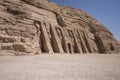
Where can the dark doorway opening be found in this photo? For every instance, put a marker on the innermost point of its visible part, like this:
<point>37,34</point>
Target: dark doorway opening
<point>69,48</point>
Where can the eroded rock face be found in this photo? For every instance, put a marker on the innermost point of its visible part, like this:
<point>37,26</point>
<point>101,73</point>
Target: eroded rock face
<point>38,26</point>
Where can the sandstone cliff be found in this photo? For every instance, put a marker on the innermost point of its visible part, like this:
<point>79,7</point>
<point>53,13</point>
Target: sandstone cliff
<point>38,26</point>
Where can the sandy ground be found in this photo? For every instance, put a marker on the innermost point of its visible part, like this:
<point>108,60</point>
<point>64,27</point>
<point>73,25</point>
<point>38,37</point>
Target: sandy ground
<point>60,67</point>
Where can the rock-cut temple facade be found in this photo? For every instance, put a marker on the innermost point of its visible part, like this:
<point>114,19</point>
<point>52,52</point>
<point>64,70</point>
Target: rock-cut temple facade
<point>30,27</point>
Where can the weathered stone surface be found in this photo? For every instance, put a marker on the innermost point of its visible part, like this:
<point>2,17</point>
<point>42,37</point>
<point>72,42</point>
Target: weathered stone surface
<point>39,26</point>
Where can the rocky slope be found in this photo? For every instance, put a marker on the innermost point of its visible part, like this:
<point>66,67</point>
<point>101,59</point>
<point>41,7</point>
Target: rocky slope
<point>38,26</point>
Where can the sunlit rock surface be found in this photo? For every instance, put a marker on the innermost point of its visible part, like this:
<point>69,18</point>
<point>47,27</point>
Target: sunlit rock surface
<point>30,27</point>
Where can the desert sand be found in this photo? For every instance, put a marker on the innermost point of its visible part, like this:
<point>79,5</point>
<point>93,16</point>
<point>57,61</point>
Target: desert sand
<point>60,67</point>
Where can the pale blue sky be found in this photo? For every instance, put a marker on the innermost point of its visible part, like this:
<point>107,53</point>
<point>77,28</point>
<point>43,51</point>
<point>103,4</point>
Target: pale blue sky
<point>106,12</point>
